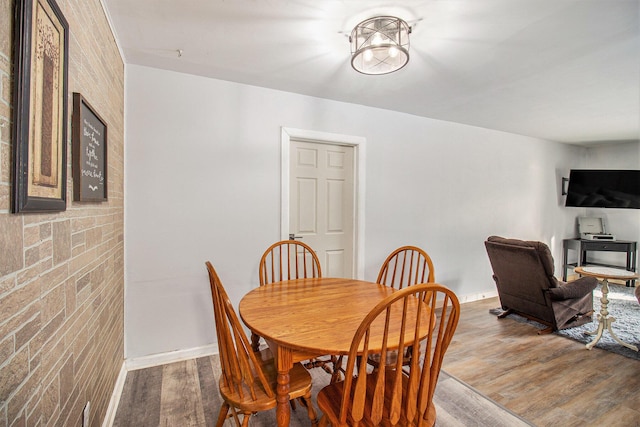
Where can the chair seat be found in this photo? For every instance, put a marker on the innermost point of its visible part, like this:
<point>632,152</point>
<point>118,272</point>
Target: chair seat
<point>300,383</point>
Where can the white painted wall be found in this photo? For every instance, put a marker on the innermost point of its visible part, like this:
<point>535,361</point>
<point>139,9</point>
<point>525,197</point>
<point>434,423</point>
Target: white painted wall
<point>622,223</point>
<point>203,183</point>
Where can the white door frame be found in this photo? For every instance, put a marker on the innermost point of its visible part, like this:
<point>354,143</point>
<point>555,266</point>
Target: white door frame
<point>359,145</point>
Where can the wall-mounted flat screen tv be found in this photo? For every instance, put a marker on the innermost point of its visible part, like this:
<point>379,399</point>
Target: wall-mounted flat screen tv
<point>601,188</point>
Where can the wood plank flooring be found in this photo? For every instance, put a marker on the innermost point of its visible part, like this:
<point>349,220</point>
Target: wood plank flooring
<point>185,394</point>
<point>547,379</point>
<point>172,395</point>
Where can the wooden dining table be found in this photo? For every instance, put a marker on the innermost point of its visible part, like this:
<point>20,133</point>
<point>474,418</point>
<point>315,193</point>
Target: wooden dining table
<point>306,318</point>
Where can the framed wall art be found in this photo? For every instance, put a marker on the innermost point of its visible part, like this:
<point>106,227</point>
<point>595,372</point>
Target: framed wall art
<point>40,107</point>
<point>89,140</point>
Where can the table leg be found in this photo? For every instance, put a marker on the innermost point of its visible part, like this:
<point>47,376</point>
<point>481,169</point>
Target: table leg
<point>605,321</point>
<point>284,365</point>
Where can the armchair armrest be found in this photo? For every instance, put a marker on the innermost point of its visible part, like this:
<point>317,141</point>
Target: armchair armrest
<point>576,289</point>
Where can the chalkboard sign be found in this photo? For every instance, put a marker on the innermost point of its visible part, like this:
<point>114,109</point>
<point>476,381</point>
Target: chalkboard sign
<point>89,140</point>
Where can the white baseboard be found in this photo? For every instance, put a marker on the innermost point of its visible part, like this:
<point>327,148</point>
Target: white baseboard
<point>170,357</point>
<point>478,297</point>
<point>115,397</point>
<point>471,298</point>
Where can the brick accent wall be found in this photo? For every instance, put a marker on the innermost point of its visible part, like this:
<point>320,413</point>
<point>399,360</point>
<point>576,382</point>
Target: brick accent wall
<point>62,275</point>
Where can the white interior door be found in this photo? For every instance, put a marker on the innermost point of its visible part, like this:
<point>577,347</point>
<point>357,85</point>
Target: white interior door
<point>321,203</point>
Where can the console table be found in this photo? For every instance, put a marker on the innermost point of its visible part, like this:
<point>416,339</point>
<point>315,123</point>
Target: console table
<point>582,246</point>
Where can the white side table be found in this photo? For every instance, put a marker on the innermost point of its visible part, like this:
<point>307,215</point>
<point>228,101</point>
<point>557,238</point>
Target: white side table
<point>604,320</point>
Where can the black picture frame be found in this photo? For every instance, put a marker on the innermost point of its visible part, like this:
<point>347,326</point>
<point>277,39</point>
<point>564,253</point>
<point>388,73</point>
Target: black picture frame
<point>89,142</point>
<point>39,133</point>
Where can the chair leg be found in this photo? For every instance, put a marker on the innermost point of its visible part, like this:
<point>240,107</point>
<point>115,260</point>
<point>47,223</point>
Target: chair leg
<point>323,421</point>
<point>313,416</point>
<point>223,414</point>
<point>255,342</point>
<point>337,369</point>
<point>237,420</point>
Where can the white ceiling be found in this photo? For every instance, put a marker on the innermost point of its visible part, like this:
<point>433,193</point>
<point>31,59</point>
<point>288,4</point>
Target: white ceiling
<point>562,70</point>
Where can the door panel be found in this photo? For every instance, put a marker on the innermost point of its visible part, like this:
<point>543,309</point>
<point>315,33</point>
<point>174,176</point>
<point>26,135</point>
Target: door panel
<point>307,207</point>
<point>335,208</point>
<point>334,264</point>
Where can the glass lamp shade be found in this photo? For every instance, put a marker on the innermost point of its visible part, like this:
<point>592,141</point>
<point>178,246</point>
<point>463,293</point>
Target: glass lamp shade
<point>380,45</point>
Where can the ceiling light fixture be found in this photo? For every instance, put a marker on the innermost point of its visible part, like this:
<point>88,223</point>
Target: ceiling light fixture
<point>380,45</point>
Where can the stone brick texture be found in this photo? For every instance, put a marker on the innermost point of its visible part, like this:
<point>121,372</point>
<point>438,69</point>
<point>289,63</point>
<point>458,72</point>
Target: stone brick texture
<point>62,274</point>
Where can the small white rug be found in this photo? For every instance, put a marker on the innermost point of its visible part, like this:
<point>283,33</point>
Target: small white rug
<point>623,306</point>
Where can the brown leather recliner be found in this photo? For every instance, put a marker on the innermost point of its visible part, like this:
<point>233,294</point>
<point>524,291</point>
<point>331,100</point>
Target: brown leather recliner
<point>523,272</point>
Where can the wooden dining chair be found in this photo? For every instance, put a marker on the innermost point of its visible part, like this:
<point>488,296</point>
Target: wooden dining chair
<point>405,266</point>
<point>248,379</point>
<point>395,396</point>
<point>290,260</point>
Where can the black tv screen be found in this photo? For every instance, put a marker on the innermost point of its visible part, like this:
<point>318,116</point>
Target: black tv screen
<point>600,188</point>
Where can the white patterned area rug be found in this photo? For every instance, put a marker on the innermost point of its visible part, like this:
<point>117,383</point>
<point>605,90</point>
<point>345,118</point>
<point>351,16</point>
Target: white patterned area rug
<point>623,306</point>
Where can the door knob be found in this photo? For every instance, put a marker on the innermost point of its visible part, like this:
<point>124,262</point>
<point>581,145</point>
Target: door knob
<point>292,236</point>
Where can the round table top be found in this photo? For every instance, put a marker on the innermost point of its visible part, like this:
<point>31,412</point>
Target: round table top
<point>606,272</point>
<point>317,315</point>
